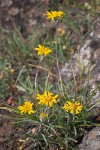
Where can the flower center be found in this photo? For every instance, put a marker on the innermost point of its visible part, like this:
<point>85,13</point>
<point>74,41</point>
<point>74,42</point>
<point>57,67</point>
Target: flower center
<point>74,106</point>
<point>48,98</point>
<point>27,107</point>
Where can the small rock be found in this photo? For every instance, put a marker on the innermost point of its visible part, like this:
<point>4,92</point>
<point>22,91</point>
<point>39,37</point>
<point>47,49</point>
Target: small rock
<point>91,141</point>
<point>14,11</point>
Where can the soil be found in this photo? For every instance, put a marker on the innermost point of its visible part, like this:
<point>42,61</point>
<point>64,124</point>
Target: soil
<point>9,134</point>
<point>26,15</point>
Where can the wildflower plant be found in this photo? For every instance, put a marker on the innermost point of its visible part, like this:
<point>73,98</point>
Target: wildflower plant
<point>58,117</point>
<point>73,107</point>
<point>42,50</point>
<point>43,115</point>
<point>27,108</point>
<point>54,14</point>
<point>47,98</point>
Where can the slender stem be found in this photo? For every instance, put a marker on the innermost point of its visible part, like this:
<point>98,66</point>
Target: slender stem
<point>75,83</point>
<point>46,83</point>
<point>45,69</point>
<point>35,82</point>
<point>19,74</point>
<point>60,79</point>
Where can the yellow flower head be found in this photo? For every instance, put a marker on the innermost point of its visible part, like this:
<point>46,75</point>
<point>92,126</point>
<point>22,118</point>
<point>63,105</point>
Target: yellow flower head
<point>73,107</point>
<point>27,108</point>
<point>43,115</point>
<point>47,98</point>
<point>54,14</point>
<point>60,31</point>
<point>12,71</point>
<point>43,50</point>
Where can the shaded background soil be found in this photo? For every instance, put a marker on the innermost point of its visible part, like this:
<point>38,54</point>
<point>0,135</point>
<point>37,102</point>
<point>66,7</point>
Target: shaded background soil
<point>26,15</point>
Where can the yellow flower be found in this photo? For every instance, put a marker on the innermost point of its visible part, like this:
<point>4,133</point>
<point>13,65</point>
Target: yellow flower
<point>60,31</point>
<point>43,50</point>
<point>47,98</point>
<point>27,108</point>
<point>73,107</point>
<point>54,14</point>
<point>43,115</point>
<point>12,71</point>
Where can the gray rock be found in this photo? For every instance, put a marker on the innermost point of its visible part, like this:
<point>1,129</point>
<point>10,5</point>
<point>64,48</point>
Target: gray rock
<point>87,60</point>
<point>69,69</point>
<point>14,11</point>
<point>91,141</point>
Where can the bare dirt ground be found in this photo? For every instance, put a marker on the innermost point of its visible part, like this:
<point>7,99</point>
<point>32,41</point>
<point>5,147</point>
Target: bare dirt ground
<point>25,15</point>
